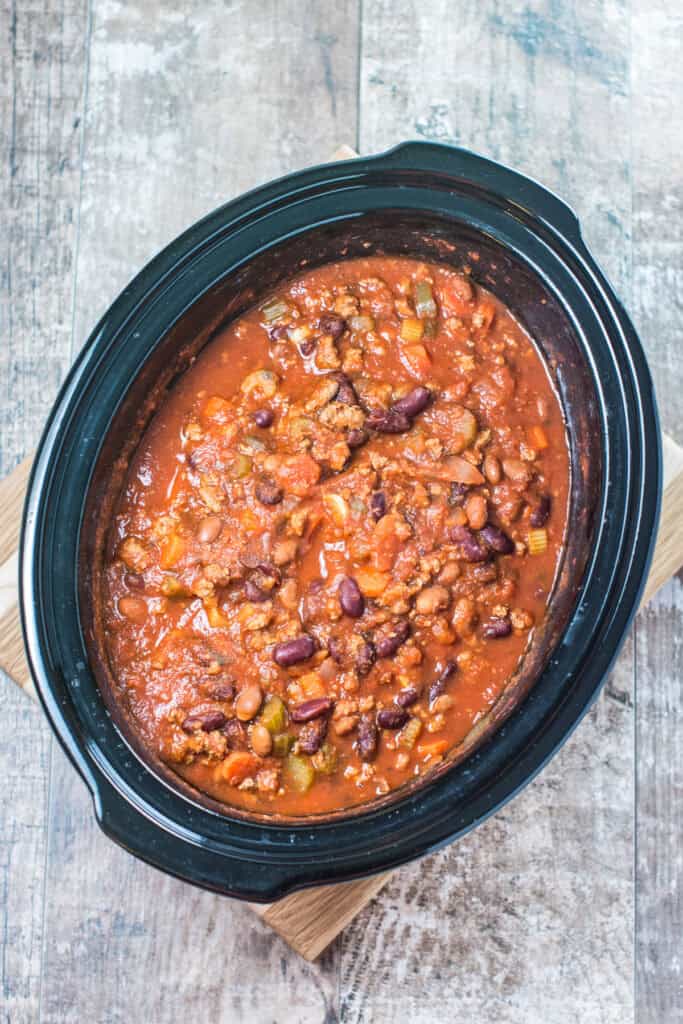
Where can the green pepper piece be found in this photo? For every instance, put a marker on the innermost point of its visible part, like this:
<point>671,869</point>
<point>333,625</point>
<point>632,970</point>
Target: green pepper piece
<point>274,714</point>
<point>282,744</point>
<point>410,732</point>
<point>299,772</point>
<point>425,306</point>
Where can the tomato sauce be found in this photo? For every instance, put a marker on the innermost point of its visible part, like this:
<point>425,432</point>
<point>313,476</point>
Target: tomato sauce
<point>336,538</point>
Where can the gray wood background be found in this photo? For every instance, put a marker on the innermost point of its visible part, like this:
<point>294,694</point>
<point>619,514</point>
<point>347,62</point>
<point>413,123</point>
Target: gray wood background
<point>122,122</point>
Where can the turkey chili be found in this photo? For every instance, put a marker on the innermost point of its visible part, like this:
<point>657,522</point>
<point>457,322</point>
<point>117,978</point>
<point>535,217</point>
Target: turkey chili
<point>336,538</point>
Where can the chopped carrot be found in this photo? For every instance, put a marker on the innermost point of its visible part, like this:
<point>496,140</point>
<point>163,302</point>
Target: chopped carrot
<point>412,329</point>
<point>238,766</point>
<point>171,550</point>
<point>217,408</point>
<point>371,582</point>
<point>537,438</point>
<point>387,540</point>
<point>433,749</point>
<point>298,474</point>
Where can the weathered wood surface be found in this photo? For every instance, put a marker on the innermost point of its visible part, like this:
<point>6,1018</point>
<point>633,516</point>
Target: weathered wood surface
<point>130,120</point>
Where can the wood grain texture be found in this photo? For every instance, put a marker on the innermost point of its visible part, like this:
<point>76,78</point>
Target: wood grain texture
<point>657,83</point>
<point>530,917</point>
<point>41,100</point>
<point>188,105</point>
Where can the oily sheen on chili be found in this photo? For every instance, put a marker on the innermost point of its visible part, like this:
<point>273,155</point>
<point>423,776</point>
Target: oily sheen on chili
<point>336,538</point>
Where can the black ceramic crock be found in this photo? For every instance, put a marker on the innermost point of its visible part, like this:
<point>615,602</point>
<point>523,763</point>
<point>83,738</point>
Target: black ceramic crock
<point>420,199</point>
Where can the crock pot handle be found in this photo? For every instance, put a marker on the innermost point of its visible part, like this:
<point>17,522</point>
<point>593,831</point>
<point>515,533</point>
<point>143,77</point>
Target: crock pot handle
<point>188,860</point>
<point>528,195</point>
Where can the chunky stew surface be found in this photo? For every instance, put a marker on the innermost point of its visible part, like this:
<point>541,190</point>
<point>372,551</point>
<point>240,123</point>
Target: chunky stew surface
<point>336,538</point>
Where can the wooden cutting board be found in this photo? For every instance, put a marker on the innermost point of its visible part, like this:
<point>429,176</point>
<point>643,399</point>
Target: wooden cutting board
<point>307,920</point>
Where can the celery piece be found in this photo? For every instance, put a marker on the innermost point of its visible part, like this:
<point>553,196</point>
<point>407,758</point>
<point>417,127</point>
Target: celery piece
<point>299,772</point>
<point>274,714</point>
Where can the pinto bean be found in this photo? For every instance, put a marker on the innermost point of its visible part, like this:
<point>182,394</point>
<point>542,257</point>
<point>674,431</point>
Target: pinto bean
<point>497,628</point>
<point>476,511</point>
<point>268,492</point>
<point>464,615</point>
<point>432,599</point>
<point>248,703</point>
<point>208,529</point>
<point>492,470</point>
<point>389,642</point>
<point>440,683</point>
<point>473,549</point>
<point>541,513</point>
<point>207,721</point>
<point>388,421</point>
<point>310,709</point>
<point>291,652</point>
<point>413,403</point>
<point>392,718</point>
<point>311,736</point>
<point>261,740</point>
<point>367,738</point>
<point>496,539</point>
<point>350,598</point>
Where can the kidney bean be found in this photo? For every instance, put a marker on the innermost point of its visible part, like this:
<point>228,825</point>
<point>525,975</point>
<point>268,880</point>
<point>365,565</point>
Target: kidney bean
<point>248,702</point>
<point>357,437</point>
<point>457,494</point>
<point>236,734</point>
<point>388,421</point>
<point>335,649</point>
<point>496,539</point>
<point>312,735</point>
<point>496,629</point>
<point>389,643</point>
<point>219,691</point>
<point>291,652</point>
<point>207,721</point>
<point>406,697</point>
<point>365,658</point>
<point>413,403</point>
<point>392,718</point>
<point>334,325</point>
<point>378,505</point>
<point>310,709</point>
<point>261,740</point>
<point>367,738</point>
<point>347,392</point>
<point>307,347</point>
<point>279,332</point>
<point>541,513</point>
<point>264,417</point>
<point>350,598</point>
<point>473,549</point>
<point>441,681</point>
<point>134,581</point>
<point>253,592</point>
<point>208,529</point>
<point>268,492</point>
